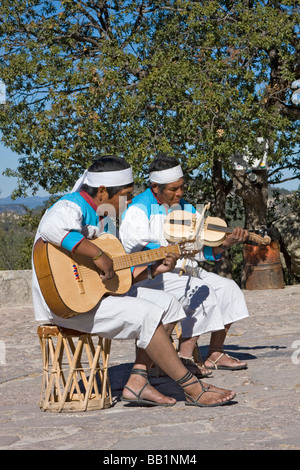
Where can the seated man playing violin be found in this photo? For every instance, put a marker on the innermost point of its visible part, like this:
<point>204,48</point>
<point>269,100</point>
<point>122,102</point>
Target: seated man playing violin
<point>211,302</point>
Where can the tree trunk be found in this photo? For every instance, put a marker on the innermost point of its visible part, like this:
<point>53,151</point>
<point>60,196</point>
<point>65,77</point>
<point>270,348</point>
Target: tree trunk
<point>254,195</point>
<point>224,266</point>
<point>255,198</point>
<point>219,204</point>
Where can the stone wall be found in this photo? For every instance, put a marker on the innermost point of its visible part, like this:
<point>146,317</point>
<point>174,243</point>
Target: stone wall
<point>15,287</point>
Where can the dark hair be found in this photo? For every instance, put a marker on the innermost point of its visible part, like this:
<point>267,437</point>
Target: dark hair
<point>163,162</point>
<point>107,163</point>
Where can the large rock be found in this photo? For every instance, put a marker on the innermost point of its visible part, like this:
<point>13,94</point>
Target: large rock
<point>289,228</point>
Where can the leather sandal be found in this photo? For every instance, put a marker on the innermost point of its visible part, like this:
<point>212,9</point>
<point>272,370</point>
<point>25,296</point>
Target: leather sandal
<point>139,400</point>
<point>216,366</point>
<point>194,401</point>
<point>194,368</point>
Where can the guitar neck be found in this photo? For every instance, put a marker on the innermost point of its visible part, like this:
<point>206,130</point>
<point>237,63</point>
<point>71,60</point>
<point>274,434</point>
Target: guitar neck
<point>219,228</point>
<point>143,257</point>
<point>252,236</point>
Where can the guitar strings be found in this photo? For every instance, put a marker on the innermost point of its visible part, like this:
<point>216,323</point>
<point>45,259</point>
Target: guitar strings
<point>132,259</point>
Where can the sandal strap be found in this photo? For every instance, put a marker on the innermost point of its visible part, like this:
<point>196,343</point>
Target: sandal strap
<point>183,383</point>
<point>216,361</point>
<point>141,372</point>
<point>188,376</point>
<point>204,390</point>
<point>232,357</point>
<point>186,358</point>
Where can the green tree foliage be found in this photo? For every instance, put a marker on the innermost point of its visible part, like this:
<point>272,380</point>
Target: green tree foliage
<point>197,79</point>
<point>16,240</point>
<point>17,233</point>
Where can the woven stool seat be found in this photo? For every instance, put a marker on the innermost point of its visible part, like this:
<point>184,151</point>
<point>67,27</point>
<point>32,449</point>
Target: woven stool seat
<point>75,370</point>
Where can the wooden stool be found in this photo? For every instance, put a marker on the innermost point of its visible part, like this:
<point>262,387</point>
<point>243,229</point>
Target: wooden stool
<point>72,377</point>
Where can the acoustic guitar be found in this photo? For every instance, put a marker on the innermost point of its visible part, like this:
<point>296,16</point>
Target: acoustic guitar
<point>70,283</point>
<point>182,225</point>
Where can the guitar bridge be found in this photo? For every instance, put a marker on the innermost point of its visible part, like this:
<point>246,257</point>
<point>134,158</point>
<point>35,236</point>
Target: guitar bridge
<point>78,279</point>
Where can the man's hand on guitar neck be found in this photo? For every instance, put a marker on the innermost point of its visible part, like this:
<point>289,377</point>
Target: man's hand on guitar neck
<point>166,265</point>
<point>141,273</point>
<point>103,262</point>
<point>238,235</point>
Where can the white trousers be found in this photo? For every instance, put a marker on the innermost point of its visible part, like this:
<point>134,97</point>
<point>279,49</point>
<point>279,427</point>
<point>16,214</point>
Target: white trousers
<point>135,315</point>
<point>210,301</point>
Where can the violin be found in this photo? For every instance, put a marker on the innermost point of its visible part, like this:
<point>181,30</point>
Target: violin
<point>182,226</point>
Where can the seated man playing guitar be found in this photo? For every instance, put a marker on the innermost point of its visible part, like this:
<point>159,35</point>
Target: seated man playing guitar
<point>148,316</point>
<point>211,302</point>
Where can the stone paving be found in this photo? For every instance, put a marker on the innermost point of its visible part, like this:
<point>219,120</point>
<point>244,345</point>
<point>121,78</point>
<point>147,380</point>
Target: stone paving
<point>264,416</point>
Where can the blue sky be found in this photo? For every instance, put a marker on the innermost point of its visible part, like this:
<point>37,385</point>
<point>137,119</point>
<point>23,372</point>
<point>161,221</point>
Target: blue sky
<point>9,159</point>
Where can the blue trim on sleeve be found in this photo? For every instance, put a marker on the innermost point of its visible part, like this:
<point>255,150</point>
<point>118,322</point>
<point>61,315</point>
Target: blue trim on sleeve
<point>208,254</point>
<point>186,206</point>
<point>151,246</point>
<point>71,240</point>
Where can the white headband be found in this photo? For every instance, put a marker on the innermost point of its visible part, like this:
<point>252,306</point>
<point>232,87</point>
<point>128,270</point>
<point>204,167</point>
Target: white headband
<point>166,176</point>
<point>108,179</point>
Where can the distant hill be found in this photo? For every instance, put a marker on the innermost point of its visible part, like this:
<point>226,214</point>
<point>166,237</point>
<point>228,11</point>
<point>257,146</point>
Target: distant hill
<point>16,205</point>
<point>282,191</point>
<point>9,205</point>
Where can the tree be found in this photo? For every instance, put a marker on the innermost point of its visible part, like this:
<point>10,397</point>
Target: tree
<point>199,80</point>
<point>16,240</point>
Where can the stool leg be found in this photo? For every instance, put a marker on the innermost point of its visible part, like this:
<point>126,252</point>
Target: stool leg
<point>106,390</point>
<point>95,370</point>
<point>94,366</point>
<point>78,366</point>
<point>71,373</point>
<point>50,381</point>
<point>54,371</point>
<point>45,377</point>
